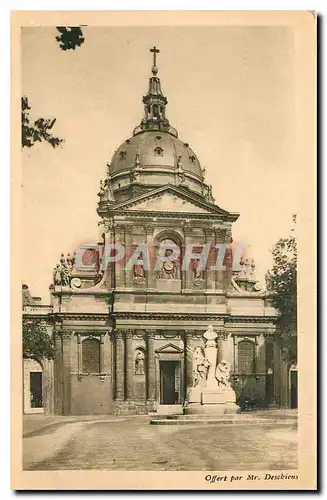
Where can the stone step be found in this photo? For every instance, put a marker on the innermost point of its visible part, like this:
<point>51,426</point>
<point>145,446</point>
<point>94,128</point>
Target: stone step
<point>229,416</point>
<point>225,416</point>
<point>221,421</point>
<point>289,415</point>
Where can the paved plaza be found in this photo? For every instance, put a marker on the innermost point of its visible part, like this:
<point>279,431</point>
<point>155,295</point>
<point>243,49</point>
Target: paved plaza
<point>130,443</point>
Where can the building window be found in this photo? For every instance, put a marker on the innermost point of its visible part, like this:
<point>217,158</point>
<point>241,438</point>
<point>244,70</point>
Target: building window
<point>91,355</point>
<point>122,155</point>
<point>246,357</point>
<point>158,151</point>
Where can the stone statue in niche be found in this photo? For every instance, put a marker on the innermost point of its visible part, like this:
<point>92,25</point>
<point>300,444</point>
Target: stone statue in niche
<point>169,269</point>
<point>139,362</point>
<point>197,274</point>
<point>139,269</point>
<point>200,368</point>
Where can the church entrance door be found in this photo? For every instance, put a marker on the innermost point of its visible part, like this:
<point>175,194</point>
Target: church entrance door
<point>169,382</point>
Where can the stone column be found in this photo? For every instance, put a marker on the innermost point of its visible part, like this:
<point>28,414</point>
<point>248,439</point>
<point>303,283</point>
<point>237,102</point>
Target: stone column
<point>220,234</point>
<point>129,274</point>
<point>47,377</point>
<point>261,348</point>
<point>79,354</point>
<point>235,353</point>
<point>210,273</point>
<point>102,370</point>
<point>58,373</point>
<point>189,352</point>
<point>228,274</point>
<point>269,370</point>
<point>129,364</point>
<point>119,265</point>
<point>187,276</point>
<point>225,347</point>
<point>151,367</point>
<point>107,353</point>
<point>256,354</point>
<point>119,366</point>
<point>150,273</point>
<point>108,240</point>
<point>277,373</point>
<point>66,371</point>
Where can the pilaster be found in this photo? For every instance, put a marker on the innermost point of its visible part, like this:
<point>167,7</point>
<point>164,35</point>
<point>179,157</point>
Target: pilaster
<point>151,366</point>
<point>66,371</point>
<point>128,273</point>
<point>189,352</point>
<point>150,273</point>
<point>58,381</point>
<point>129,364</point>
<point>210,273</point>
<point>120,376</point>
<point>119,264</point>
<point>187,274</point>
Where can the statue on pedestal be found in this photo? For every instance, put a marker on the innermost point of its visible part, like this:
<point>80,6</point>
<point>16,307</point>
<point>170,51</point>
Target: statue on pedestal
<point>223,375</point>
<point>57,275</point>
<point>211,354</point>
<point>200,368</point>
<point>212,391</point>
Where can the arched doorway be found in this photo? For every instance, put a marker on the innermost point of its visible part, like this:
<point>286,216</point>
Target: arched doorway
<point>33,386</point>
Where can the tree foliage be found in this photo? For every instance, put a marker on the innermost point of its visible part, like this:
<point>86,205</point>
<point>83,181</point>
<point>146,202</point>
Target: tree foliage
<point>37,344</point>
<point>36,131</point>
<point>70,37</point>
<point>281,282</point>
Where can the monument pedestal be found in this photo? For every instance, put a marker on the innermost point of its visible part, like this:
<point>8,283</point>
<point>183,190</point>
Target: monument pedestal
<point>212,402</point>
<point>213,397</point>
<point>212,393</point>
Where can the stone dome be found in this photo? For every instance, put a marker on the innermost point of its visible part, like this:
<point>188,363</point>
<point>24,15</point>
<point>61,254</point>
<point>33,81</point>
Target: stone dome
<point>155,158</point>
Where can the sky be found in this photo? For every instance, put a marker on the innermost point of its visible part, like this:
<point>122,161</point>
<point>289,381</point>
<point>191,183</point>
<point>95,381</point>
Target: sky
<point>231,95</point>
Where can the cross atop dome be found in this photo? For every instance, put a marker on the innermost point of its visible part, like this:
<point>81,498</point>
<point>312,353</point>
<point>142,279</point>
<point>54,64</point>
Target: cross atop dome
<point>155,104</point>
<point>155,51</point>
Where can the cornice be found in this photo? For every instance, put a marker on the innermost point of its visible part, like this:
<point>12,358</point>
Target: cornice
<point>56,317</point>
<point>82,316</point>
<point>251,319</point>
<point>173,215</point>
<point>166,315</point>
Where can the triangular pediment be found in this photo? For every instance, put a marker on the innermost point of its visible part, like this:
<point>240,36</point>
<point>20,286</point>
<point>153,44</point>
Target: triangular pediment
<point>169,348</point>
<point>170,199</point>
<point>168,202</point>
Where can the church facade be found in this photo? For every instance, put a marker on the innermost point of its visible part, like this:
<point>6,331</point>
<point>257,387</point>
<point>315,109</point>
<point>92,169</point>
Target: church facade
<point>126,329</point>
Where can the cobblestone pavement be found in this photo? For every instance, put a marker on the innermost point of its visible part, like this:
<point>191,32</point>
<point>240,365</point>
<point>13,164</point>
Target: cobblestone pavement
<point>132,444</point>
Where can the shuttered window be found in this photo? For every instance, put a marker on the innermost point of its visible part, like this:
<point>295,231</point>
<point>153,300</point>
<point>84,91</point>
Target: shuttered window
<point>246,357</point>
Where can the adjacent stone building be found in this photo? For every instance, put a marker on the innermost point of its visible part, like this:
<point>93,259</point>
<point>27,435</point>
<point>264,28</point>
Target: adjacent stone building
<point>125,335</point>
